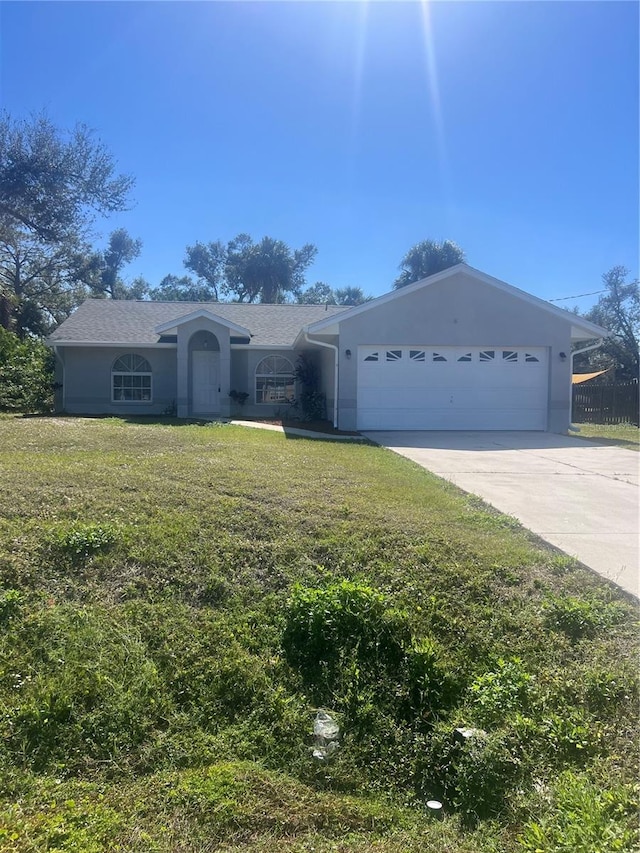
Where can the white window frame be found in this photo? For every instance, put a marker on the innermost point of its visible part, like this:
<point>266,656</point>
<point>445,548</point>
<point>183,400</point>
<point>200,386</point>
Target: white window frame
<point>277,376</point>
<point>137,362</point>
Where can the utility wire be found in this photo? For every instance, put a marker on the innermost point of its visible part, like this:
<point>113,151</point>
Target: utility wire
<point>562,298</point>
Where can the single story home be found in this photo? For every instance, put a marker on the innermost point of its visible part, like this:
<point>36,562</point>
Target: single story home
<point>459,350</point>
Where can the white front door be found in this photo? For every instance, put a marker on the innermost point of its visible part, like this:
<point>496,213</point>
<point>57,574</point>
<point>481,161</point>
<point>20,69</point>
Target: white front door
<point>205,382</point>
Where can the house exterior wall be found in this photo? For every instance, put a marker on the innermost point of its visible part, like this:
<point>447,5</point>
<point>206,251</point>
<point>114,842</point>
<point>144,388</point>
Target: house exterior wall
<point>326,362</point>
<point>87,380</point>
<point>459,311</point>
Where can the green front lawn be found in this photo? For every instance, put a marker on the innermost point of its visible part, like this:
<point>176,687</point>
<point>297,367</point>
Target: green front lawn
<point>623,435</point>
<point>176,602</point>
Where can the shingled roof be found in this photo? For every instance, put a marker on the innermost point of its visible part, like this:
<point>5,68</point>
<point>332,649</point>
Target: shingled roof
<point>114,321</point>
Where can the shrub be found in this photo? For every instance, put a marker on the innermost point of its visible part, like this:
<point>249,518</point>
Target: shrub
<point>326,626</point>
<point>311,402</point>
<point>26,374</point>
<point>312,405</point>
<point>358,656</point>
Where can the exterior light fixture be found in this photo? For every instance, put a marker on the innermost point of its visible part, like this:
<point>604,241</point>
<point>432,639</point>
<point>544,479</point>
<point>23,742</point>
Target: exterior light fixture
<point>347,353</point>
<point>563,356</point>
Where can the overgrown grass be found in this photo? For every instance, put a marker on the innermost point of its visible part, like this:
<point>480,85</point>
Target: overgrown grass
<point>177,601</point>
<point>622,435</point>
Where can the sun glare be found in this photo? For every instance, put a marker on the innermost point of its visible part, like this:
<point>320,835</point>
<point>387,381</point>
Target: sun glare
<point>434,94</point>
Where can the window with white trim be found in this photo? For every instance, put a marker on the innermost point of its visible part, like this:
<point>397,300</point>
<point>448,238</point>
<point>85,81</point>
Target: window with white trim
<point>466,357</point>
<point>530,358</point>
<point>131,379</point>
<point>437,356</point>
<point>417,355</point>
<point>373,356</point>
<point>394,354</point>
<point>510,355</point>
<point>275,380</point>
<point>487,355</point>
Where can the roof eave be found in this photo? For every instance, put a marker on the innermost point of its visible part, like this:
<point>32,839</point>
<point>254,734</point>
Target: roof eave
<point>70,343</point>
<point>163,328</point>
<point>592,330</point>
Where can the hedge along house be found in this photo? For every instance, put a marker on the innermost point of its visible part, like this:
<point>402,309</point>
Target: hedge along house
<point>457,350</point>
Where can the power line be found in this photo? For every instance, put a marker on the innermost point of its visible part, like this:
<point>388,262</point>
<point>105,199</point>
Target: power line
<point>562,298</point>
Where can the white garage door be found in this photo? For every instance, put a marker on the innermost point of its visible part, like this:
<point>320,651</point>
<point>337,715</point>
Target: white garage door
<point>422,387</point>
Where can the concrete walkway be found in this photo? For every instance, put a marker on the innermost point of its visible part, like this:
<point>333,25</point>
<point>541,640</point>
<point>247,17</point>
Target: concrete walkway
<point>580,496</point>
<point>301,433</point>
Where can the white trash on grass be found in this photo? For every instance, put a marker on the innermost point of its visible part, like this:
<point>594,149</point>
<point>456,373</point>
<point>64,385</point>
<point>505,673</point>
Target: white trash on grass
<point>326,734</point>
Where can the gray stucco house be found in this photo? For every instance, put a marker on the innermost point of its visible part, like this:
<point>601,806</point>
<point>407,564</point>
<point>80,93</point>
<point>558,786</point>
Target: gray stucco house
<point>457,350</point>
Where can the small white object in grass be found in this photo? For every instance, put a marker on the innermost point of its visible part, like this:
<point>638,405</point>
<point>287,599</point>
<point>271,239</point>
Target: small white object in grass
<point>326,732</point>
<point>435,805</point>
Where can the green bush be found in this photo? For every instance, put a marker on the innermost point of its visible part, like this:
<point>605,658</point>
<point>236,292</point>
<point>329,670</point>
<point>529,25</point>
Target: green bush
<point>327,627</point>
<point>26,374</point>
<point>359,657</point>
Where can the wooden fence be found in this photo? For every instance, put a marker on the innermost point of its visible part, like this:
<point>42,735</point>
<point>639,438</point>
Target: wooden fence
<point>605,404</point>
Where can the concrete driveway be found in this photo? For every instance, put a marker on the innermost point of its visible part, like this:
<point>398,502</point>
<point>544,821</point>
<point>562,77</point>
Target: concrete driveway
<point>580,496</point>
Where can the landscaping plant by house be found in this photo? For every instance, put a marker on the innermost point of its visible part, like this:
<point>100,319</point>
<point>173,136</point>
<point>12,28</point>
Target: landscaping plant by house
<point>177,602</point>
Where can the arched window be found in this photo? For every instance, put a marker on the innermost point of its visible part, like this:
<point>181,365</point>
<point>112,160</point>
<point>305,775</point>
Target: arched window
<point>131,379</point>
<point>275,380</point>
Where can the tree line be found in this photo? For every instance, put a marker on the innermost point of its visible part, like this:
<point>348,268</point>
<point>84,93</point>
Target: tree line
<point>53,186</point>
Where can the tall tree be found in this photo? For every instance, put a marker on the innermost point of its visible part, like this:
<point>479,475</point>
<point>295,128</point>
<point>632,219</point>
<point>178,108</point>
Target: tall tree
<point>39,285</point>
<point>52,186</point>
<point>207,261</point>
<point>268,271</point>
<point>102,270</point>
<point>618,310</point>
<point>52,183</point>
<point>317,294</point>
<point>182,289</point>
<point>427,258</point>
<point>322,294</point>
<point>351,296</point>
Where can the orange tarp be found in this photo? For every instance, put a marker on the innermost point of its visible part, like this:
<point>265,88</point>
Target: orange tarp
<point>577,378</point>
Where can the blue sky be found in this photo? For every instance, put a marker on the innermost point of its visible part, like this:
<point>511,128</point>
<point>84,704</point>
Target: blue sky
<point>508,127</point>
